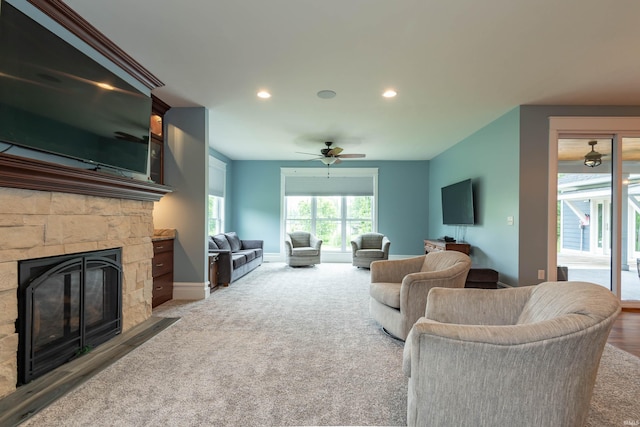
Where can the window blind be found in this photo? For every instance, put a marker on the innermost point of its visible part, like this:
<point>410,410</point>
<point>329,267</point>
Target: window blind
<point>333,186</point>
<point>217,175</point>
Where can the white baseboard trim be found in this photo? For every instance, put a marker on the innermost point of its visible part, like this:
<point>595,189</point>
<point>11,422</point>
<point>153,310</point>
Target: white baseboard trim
<point>345,257</point>
<point>191,290</point>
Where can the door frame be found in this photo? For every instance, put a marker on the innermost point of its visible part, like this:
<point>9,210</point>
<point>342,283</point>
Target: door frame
<point>584,127</point>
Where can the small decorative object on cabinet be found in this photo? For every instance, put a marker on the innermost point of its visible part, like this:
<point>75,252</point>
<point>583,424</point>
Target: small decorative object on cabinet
<point>435,245</point>
<point>162,270</point>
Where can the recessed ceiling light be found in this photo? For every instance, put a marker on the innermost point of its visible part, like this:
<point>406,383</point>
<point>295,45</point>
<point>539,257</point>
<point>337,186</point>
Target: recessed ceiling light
<point>326,94</point>
<point>106,86</point>
<point>389,93</point>
<point>264,94</point>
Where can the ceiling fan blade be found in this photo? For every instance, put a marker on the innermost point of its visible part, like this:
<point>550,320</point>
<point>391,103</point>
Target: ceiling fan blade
<point>337,161</point>
<point>310,154</point>
<point>351,156</point>
<point>335,151</point>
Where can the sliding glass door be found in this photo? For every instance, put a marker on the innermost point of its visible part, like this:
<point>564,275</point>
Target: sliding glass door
<point>596,199</point>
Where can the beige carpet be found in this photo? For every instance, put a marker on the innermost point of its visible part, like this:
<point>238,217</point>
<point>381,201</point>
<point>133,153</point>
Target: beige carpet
<point>281,346</point>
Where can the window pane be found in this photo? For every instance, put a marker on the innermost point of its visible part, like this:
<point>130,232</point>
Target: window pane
<point>359,207</point>
<point>330,234</point>
<point>298,225</point>
<point>298,207</point>
<point>216,207</point>
<point>329,207</point>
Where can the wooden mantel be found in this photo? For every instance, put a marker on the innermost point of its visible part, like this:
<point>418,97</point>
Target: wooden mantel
<point>31,174</point>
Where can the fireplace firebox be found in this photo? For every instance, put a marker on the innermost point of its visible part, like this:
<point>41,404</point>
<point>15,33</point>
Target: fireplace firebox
<point>67,305</point>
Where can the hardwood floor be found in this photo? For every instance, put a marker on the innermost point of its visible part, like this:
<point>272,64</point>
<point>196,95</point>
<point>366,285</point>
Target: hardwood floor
<point>625,333</point>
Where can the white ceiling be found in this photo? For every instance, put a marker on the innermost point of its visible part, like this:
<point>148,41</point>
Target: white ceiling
<point>456,64</point>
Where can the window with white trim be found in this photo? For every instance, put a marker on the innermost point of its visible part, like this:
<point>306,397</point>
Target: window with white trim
<point>335,209</point>
<point>215,212</point>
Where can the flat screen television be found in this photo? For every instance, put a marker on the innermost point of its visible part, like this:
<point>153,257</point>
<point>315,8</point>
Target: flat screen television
<point>56,99</point>
<point>457,204</point>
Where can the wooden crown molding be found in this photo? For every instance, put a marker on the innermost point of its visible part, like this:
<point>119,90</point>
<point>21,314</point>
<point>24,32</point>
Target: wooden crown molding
<point>31,174</point>
<point>69,19</point>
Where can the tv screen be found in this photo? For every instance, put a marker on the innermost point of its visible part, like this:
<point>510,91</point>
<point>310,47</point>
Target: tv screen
<point>56,99</point>
<point>457,204</point>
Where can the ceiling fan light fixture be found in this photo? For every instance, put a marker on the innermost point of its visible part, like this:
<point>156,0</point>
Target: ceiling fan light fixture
<point>328,160</point>
<point>593,158</point>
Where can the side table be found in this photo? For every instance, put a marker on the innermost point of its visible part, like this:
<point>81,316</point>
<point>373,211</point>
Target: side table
<point>213,271</point>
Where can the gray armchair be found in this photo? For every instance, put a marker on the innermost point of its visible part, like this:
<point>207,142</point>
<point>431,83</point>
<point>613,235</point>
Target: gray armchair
<point>302,248</point>
<point>518,356</point>
<point>369,247</point>
<point>399,288</point>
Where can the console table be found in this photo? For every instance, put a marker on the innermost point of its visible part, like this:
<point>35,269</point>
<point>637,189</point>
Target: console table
<point>435,245</point>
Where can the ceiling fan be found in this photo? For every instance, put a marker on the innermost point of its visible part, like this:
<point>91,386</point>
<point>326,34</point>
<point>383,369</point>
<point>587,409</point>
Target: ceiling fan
<point>333,155</point>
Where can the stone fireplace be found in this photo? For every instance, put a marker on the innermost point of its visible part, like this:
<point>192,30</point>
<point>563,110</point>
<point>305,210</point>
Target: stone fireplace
<point>39,223</point>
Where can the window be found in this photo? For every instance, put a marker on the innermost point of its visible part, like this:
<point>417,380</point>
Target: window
<point>334,219</point>
<point>216,210</point>
<point>335,209</point>
<point>217,175</point>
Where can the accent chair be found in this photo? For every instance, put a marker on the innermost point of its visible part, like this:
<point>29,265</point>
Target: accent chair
<point>517,356</point>
<point>369,247</point>
<point>399,288</point>
<point>302,248</point>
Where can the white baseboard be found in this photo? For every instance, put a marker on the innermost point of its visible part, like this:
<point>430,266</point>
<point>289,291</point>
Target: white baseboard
<point>190,290</point>
<point>327,257</point>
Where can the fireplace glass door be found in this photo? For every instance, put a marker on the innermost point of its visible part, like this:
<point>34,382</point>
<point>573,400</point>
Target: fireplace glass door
<point>68,305</point>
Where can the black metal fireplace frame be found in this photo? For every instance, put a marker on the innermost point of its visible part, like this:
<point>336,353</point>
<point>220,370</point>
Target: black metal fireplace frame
<point>34,272</point>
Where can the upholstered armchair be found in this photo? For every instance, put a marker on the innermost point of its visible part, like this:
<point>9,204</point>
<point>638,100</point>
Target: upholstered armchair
<point>399,288</point>
<point>518,356</point>
<point>302,248</point>
<point>369,247</point>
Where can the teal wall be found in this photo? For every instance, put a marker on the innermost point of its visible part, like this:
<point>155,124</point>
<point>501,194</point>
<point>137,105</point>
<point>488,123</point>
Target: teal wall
<point>402,201</point>
<point>490,158</point>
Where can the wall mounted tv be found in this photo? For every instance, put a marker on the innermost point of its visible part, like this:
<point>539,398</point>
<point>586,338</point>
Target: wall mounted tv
<point>55,99</point>
<point>457,204</point>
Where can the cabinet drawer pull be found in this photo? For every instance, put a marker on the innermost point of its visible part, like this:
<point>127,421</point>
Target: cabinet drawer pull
<point>159,247</point>
<point>159,288</point>
<point>160,265</point>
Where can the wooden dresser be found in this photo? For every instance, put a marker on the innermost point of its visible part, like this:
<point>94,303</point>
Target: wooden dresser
<point>435,245</point>
<point>162,271</point>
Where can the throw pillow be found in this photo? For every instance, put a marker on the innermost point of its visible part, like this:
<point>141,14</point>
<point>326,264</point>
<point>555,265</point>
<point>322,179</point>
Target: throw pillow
<point>221,241</point>
<point>234,241</point>
<point>212,243</point>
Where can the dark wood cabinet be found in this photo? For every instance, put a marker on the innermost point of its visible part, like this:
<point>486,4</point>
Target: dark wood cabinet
<point>435,245</point>
<point>162,271</point>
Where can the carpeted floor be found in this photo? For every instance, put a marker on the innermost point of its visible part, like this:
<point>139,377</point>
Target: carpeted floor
<point>281,346</point>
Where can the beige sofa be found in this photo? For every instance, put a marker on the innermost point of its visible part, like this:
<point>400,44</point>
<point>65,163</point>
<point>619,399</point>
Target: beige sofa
<point>523,356</point>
